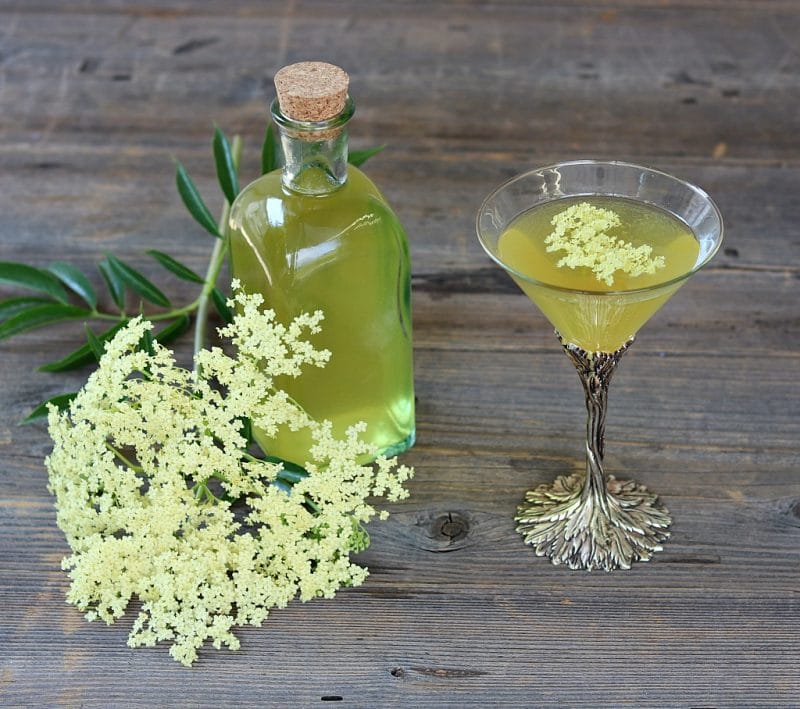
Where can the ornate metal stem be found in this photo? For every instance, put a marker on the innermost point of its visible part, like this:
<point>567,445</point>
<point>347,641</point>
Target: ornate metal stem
<point>590,521</point>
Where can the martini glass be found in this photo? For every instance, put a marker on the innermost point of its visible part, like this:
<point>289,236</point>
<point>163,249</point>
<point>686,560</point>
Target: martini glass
<point>591,520</point>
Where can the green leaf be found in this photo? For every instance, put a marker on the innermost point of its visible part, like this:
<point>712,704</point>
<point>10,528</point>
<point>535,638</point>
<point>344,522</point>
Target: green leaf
<point>75,280</point>
<point>226,170</point>
<point>20,274</point>
<point>39,316</point>
<point>194,202</point>
<point>246,431</point>
<point>292,477</point>
<point>83,355</point>
<point>137,282</point>
<point>146,343</point>
<point>97,347</point>
<point>282,486</point>
<point>61,402</point>
<point>359,157</point>
<point>17,305</point>
<point>221,304</point>
<point>113,282</point>
<point>181,271</point>
<point>291,472</point>
<point>174,330</point>
<point>270,151</point>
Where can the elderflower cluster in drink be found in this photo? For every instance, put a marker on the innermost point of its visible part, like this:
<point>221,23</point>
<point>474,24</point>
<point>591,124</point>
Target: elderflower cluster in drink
<point>582,231</point>
<point>160,500</point>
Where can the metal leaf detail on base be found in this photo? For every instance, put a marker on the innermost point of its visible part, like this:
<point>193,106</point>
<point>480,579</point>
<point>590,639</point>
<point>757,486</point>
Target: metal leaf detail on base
<point>588,521</point>
<point>587,532</point>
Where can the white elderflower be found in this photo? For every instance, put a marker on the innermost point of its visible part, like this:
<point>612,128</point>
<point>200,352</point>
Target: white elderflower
<point>159,499</point>
<point>582,231</point>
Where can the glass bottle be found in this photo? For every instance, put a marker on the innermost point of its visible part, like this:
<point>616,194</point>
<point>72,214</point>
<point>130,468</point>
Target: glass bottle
<point>318,235</point>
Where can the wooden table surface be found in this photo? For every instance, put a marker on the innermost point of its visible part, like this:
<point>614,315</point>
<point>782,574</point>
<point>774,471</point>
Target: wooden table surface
<point>95,100</point>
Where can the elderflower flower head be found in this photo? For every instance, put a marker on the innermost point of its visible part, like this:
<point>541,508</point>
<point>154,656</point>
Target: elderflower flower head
<point>582,231</point>
<point>159,499</point>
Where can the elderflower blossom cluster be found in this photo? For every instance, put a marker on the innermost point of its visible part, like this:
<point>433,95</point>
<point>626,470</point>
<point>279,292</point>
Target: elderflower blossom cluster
<point>144,437</point>
<point>581,231</point>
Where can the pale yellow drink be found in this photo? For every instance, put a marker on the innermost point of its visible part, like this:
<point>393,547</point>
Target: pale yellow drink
<point>603,316</point>
<point>344,253</point>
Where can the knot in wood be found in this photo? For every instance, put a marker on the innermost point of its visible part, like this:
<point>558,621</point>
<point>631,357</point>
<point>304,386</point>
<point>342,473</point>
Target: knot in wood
<point>794,511</point>
<point>450,527</point>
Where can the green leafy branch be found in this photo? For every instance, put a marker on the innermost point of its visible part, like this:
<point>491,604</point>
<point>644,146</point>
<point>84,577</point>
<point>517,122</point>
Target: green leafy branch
<point>63,292</point>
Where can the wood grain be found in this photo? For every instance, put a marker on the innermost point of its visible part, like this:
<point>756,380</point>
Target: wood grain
<point>97,97</point>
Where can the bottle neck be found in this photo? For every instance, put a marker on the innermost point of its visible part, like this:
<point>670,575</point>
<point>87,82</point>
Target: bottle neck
<point>315,152</point>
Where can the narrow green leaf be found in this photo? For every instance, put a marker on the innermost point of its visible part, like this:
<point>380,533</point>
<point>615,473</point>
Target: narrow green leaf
<point>226,170</point>
<point>176,267</point>
<point>194,202</point>
<point>221,304</point>
<point>75,281</point>
<point>61,402</point>
<point>83,355</point>
<point>39,316</point>
<point>146,343</point>
<point>20,274</point>
<point>359,157</point>
<point>174,330</point>
<point>270,151</point>
<point>289,474</point>
<point>12,306</point>
<point>113,282</point>
<point>282,486</point>
<point>246,430</point>
<point>292,470</point>
<point>97,347</point>
<point>138,282</point>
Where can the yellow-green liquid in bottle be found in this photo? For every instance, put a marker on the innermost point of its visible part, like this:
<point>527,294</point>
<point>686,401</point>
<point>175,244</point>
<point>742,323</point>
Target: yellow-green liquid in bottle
<point>602,317</point>
<point>344,252</point>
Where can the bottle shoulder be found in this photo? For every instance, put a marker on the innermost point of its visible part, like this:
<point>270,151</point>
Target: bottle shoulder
<point>271,185</point>
<point>266,203</point>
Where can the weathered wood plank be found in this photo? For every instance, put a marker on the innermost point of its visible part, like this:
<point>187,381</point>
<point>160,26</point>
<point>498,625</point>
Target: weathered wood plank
<point>627,81</point>
<point>675,612</point>
<point>440,657</point>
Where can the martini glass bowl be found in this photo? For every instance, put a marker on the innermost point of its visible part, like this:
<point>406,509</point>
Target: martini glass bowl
<point>591,520</point>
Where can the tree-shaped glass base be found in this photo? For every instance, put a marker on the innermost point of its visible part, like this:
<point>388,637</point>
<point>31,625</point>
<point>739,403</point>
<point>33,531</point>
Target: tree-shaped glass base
<point>590,521</point>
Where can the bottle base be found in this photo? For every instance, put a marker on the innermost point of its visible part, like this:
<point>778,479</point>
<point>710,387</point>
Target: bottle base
<point>400,446</point>
<point>290,453</point>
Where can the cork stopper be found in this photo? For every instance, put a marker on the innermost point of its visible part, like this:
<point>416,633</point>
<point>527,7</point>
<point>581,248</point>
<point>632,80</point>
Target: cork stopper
<point>311,91</point>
